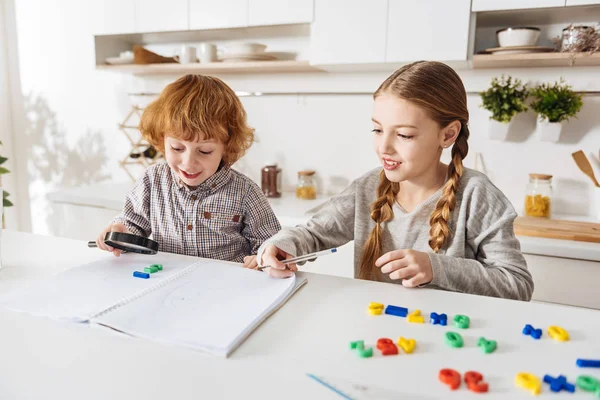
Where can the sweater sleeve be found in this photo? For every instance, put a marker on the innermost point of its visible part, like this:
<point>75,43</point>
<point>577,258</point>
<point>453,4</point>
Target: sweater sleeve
<point>499,268</point>
<point>136,211</point>
<point>331,226</point>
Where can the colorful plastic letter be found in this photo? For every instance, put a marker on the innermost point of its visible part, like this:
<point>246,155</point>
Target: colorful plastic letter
<point>558,333</point>
<point>387,347</point>
<point>357,345</point>
<point>529,382</point>
<point>143,275</point>
<point>474,382</point>
<point>450,377</point>
<point>488,346</point>
<point>438,319</point>
<point>558,384</point>
<point>375,308</point>
<point>588,363</point>
<point>408,345</point>
<point>397,311</point>
<point>531,331</point>
<point>461,321</point>
<point>416,317</point>
<point>453,339</point>
<point>587,383</point>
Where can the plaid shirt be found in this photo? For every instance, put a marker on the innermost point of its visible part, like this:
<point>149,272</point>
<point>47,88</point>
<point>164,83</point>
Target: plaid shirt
<point>227,217</point>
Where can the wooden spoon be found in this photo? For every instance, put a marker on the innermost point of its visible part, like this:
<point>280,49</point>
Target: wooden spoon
<point>584,165</point>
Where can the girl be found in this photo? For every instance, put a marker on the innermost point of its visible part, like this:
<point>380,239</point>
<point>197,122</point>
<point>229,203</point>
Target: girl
<point>194,203</point>
<point>417,221</point>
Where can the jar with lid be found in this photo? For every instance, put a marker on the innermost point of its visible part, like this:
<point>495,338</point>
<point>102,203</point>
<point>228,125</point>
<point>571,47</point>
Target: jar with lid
<point>305,189</point>
<point>271,180</point>
<point>538,196</point>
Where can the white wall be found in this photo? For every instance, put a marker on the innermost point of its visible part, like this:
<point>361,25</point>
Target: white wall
<point>73,111</point>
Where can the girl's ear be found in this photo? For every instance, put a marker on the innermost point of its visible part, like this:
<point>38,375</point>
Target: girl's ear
<point>449,134</point>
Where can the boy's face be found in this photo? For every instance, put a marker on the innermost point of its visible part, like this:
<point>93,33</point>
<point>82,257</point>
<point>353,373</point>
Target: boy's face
<point>193,162</point>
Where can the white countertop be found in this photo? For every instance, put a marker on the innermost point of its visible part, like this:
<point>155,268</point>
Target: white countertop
<point>292,211</point>
<point>43,358</point>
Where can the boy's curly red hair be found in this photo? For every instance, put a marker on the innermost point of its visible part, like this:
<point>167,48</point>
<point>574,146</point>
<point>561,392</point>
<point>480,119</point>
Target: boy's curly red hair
<point>198,107</point>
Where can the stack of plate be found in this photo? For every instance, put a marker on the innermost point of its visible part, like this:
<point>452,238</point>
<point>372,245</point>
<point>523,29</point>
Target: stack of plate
<point>245,52</point>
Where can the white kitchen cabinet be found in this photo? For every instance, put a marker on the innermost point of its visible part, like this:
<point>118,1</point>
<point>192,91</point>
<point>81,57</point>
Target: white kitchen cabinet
<point>493,5</point>
<point>565,280</point>
<point>161,16</point>
<point>210,14</point>
<point>280,12</point>
<point>348,32</point>
<point>582,2</point>
<point>427,30</point>
<point>111,17</point>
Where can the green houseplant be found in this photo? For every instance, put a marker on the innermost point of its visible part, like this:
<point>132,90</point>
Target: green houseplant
<point>554,103</point>
<point>505,98</point>
<point>5,201</point>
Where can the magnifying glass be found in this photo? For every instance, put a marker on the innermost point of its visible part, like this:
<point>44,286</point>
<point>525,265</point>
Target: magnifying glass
<point>128,242</point>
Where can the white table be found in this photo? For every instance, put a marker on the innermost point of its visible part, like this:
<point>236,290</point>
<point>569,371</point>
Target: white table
<point>41,358</point>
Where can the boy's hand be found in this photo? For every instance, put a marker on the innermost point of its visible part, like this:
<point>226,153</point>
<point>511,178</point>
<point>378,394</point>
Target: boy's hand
<point>116,227</point>
<point>272,257</point>
<point>250,262</point>
<point>414,267</point>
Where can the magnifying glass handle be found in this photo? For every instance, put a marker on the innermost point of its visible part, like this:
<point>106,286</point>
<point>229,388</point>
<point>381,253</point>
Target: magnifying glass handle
<point>92,243</point>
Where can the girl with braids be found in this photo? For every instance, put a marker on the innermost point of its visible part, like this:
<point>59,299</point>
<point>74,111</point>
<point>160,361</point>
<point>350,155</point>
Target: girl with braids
<point>417,221</point>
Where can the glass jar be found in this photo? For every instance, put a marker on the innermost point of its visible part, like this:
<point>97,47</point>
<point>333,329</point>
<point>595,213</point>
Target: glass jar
<point>538,196</point>
<point>271,180</point>
<point>305,189</point>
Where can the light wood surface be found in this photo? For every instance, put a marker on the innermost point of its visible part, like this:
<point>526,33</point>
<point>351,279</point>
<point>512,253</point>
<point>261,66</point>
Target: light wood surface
<point>558,229</point>
<point>251,67</point>
<point>535,60</point>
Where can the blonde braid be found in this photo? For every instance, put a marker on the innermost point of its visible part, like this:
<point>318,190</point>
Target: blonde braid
<point>381,211</point>
<point>440,232</point>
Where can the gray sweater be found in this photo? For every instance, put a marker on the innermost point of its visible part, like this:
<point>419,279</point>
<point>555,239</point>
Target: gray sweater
<point>482,255</point>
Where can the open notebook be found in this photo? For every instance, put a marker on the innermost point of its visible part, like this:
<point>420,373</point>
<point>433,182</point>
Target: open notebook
<point>207,305</point>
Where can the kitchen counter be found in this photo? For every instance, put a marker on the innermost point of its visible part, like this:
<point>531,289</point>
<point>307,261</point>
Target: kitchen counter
<point>292,211</point>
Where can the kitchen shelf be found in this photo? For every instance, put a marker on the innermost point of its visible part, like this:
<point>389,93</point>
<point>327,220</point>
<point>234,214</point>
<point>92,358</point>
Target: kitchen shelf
<point>535,60</point>
<point>251,67</point>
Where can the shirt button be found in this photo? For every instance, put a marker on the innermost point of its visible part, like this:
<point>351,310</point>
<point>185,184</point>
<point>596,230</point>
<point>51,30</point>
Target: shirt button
<point>190,227</point>
<point>194,198</point>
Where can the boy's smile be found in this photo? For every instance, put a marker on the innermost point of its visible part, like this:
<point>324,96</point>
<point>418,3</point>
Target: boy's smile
<point>194,162</point>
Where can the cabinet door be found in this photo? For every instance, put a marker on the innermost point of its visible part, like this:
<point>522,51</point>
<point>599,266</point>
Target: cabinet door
<point>210,14</point>
<point>492,5</point>
<point>428,30</point>
<point>161,16</point>
<point>582,2</point>
<point>279,12</point>
<point>348,32</point>
<point>111,17</point>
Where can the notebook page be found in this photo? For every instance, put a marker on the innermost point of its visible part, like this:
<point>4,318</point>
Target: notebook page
<point>80,292</point>
<point>211,308</point>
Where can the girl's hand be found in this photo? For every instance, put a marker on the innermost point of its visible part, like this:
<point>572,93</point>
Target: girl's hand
<point>414,267</point>
<point>250,262</point>
<point>116,227</point>
<point>272,257</point>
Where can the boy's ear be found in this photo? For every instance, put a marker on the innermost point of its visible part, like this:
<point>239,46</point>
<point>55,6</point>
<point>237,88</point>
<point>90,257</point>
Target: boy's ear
<point>450,133</point>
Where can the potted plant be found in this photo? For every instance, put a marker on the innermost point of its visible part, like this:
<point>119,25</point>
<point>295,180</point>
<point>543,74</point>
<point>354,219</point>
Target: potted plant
<point>505,98</point>
<point>554,103</point>
<point>5,201</point>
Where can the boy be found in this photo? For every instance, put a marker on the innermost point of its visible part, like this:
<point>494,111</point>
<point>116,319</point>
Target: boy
<point>194,203</point>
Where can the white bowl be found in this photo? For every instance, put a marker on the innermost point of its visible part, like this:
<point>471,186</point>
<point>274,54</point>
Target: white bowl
<point>245,48</point>
<point>518,36</point>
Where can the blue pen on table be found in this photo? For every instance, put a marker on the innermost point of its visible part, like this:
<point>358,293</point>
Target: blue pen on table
<point>304,257</point>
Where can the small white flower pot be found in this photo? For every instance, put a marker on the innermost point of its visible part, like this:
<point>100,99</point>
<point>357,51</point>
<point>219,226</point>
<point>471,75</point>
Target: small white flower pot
<point>498,130</point>
<point>548,131</point>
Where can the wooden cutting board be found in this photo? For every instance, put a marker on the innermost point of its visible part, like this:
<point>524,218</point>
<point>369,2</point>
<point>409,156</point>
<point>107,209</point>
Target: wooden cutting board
<point>558,229</point>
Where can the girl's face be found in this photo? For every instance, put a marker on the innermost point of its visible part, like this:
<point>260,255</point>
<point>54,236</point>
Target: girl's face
<point>407,141</point>
<point>194,162</point>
